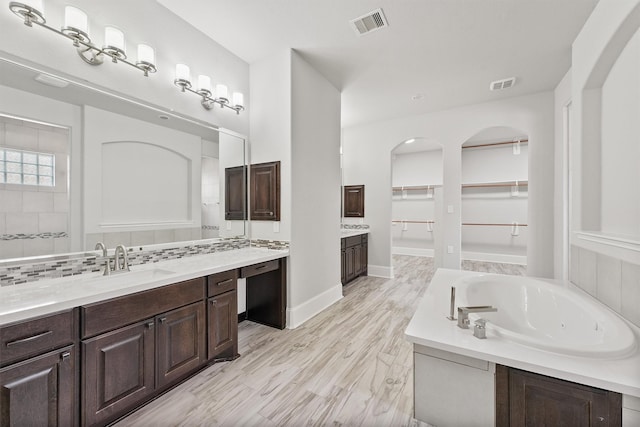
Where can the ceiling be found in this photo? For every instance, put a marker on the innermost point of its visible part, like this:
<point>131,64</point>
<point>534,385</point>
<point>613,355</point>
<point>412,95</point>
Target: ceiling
<point>447,51</point>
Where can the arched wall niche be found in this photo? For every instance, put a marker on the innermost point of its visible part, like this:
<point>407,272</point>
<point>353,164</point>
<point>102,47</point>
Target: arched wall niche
<point>416,198</point>
<point>494,200</point>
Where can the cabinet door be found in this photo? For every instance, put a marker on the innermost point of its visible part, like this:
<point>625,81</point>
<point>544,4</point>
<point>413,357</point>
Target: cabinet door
<point>223,325</point>
<point>354,201</point>
<point>235,183</point>
<point>343,266</point>
<point>537,400</point>
<point>357,260</point>
<point>180,345</point>
<point>364,258</point>
<point>39,391</point>
<point>118,371</point>
<point>265,191</point>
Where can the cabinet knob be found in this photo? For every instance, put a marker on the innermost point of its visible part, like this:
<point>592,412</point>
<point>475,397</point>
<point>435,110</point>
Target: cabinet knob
<point>601,419</point>
<point>150,325</point>
<point>213,302</point>
<point>64,356</point>
<point>163,319</point>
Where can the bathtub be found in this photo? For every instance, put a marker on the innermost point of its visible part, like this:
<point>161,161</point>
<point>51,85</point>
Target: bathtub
<point>547,316</point>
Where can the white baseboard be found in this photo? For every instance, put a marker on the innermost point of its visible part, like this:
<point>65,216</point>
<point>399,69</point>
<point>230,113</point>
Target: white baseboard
<point>296,316</point>
<point>397,250</point>
<point>489,257</point>
<point>380,271</point>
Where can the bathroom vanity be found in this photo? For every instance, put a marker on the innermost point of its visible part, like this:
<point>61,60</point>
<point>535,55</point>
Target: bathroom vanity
<point>86,351</point>
<point>353,254</point>
<point>506,380</point>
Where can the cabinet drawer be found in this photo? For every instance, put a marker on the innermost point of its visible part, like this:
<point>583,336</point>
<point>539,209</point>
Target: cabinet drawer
<point>222,282</point>
<point>263,267</point>
<point>111,314</point>
<point>36,336</point>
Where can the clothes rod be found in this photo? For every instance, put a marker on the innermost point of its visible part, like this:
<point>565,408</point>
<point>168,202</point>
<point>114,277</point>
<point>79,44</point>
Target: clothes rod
<point>496,225</point>
<point>413,222</point>
<point>491,144</point>
<point>415,187</point>
<point>498,184</point>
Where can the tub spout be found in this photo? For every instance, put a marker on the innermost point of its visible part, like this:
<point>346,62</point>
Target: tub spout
<point>463,313</point>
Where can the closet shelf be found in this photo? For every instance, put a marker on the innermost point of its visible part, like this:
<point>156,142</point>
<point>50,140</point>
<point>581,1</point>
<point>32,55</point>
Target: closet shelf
<point>492,144</point>
<point>416,187</point>
<point>412,222</point>
<point>496,184</point>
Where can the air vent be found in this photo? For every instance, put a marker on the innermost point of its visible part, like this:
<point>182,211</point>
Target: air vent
<point>502,84</point>
<point>372,21</point>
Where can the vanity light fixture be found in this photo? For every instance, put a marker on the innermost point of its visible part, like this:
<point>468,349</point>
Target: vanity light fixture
<point>76,29</point>
<point>220,95</point>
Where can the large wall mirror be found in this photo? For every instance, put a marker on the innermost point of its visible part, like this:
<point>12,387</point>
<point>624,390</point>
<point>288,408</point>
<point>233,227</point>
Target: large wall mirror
<point>81,164</point>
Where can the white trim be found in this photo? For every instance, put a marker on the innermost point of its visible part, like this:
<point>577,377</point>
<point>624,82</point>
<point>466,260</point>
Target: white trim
<point>492,257</point>
<point>380,271</point>
<point>296,316</point>
<point>396,250</point>
<point>625,248</point>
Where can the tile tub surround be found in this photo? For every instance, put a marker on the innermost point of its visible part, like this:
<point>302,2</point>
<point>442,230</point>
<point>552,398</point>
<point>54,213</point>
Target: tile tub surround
<point>16,273</point>
<point>430,327</point>
<point>44,297</point>
<point>612,281</point>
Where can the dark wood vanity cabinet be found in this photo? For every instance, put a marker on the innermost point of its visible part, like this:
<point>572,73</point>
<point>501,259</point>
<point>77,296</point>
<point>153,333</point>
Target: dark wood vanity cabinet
<point>222,316</point>
<point>527,399</point>
<point>38,368</point>
<point>267,292</point>
<point>235,202</point>
<point>265,191</point>
<point>353,205</point>
<point>354,257</point>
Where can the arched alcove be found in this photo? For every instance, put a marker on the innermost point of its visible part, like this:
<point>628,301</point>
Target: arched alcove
<point>416,197</point>
<point>494,201</point>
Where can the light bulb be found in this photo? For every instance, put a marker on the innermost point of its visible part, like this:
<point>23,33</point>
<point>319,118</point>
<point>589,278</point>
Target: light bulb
<point>222,91</point>
<point>238,99</point>
<point>204,83</point>
<point>76,18</point>
<point>113,37</point>
<point>146,54</point>
<point>182,72</point>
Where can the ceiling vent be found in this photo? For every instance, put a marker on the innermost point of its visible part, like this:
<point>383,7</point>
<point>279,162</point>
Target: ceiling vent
<point>502,84</point>
<point>372,21</point>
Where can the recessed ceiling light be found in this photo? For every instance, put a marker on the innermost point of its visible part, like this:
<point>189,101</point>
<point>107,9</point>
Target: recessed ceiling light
<point>48,80</point>
<point>417,96</point>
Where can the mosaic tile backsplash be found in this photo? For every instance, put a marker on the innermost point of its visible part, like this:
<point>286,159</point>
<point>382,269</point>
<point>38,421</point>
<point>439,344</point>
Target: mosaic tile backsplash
<point>355,226</point>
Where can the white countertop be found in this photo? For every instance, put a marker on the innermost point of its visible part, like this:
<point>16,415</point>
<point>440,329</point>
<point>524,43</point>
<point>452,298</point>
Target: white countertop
<point>20,302</point>
<point>430,327</point>
<point>348,232</point>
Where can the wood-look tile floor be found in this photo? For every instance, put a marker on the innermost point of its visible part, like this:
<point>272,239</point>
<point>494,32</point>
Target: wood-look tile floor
<point>348,366</point>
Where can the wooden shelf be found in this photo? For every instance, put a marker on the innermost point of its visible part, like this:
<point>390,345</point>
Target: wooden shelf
<point>496,184</point>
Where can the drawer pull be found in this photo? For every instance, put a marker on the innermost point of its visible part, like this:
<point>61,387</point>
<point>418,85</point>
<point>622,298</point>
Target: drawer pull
<point>224,282</point>
<point>260,267</point>
<point>64,356</point>
<point>28,339</point>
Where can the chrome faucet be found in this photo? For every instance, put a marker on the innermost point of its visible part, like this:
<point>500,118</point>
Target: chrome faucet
<point>463,313</point>
<point>107,263</point>
<point>117,267</point>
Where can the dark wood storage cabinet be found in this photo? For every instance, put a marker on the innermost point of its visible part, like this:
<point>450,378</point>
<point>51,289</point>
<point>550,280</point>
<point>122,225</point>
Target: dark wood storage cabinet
<point>265,191</point>
<point>222,316</point>
<point>38,364</point>
<point>527,399</point>
<point>235,200</point>
<point>354,257</point>
<point>267,292</point>
<point>354,201</point>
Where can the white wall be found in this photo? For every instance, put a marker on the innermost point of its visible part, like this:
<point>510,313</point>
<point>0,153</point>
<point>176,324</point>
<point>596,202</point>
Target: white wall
<point>604,93</point>
<point>366,157</point>
<point>142,21</point>
<point>315,193</point>
<point>271,133</point>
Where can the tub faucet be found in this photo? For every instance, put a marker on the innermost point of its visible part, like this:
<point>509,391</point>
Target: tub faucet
<point>480,329</point>
<point>463,313</point>
<point>117,267</point>
<point>107,266</point>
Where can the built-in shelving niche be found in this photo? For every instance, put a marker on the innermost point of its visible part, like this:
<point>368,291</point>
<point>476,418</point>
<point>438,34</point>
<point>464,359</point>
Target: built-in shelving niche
<point>494,195</point>
<point>416,197</point>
